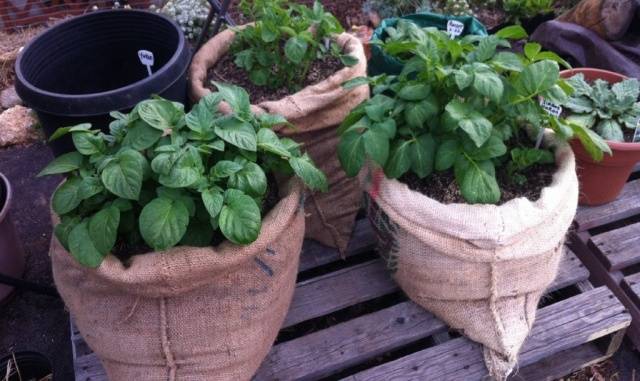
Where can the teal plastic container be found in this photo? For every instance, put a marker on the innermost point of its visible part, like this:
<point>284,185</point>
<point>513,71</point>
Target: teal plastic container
<point>381,62</point>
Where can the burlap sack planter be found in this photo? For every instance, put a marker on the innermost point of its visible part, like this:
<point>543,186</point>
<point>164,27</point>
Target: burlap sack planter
<point>480,268</point>
<point>316,111</point>
<point>188,313</point>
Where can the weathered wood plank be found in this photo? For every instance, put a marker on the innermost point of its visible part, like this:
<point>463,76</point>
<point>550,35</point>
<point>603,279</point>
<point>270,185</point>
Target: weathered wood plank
<point>626,205</point>
<point>618,248</point>
<point>337,290</point>
<point>325,352</point>
<point>559,327</point>
<point>89,368</point>
<point>315,254</point>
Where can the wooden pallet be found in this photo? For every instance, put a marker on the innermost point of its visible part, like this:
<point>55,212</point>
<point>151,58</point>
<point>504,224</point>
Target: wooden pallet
<point>607,240</point>
<point>348,320</point>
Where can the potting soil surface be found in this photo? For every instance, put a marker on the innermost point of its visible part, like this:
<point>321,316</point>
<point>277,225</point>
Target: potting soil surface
<point>29,321</point>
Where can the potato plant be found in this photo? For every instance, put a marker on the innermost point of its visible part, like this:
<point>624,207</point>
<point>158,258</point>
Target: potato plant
<point>279,48</point>
<point>167,178</point>
<point>464,105</point>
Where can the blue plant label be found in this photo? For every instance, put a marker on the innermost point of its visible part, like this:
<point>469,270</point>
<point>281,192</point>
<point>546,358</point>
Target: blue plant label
<point>146,58</point>
<point>454,28</point>
<point>551,108</point>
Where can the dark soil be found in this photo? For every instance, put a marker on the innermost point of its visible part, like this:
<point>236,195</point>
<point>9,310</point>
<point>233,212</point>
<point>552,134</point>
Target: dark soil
<point>30,321</point>
<point>442,186</point>
<point>227,71</point>
<point>628,134</point>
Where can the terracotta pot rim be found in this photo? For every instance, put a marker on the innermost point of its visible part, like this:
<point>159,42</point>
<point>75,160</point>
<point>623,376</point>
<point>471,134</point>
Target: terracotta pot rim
<point>577,70</point>
<point>4,207</point>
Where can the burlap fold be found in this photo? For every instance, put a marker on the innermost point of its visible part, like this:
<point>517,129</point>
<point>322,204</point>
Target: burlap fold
<point>316,111</point>
<point>188,313</point>
<point>480,268</point>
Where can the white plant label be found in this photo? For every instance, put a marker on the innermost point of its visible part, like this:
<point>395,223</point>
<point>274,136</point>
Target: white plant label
<point>551,108</point>
<point>146,58</point>
<point>454,28</point>
<point>636,133</point>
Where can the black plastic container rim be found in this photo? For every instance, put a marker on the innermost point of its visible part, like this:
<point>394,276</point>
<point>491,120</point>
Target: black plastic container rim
<point>29,355</point>
<point>90,103</point>
<point>5,196</point>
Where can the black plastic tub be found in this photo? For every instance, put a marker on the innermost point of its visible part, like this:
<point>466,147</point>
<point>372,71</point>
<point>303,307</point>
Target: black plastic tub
<point>31,365</point>
<point>80,70</point>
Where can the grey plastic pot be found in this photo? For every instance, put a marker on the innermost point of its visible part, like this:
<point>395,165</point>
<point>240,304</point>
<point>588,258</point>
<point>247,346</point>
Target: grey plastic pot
<point>11,254</point>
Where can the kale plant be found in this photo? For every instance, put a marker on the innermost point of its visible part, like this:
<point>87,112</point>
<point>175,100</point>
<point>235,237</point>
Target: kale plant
<point>465,105</point>
<point>280,47</point>
<point>191,15</point>
<point>604,107</point>
<point>169,178</point>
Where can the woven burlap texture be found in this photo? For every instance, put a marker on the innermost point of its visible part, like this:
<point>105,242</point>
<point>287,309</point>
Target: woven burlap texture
<point>188,313</point>
<point>316,111</point>
<point>480,268</point>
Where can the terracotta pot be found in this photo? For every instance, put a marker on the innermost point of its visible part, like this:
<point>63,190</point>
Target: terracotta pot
<point>11,254</point>
<point>602,182</point>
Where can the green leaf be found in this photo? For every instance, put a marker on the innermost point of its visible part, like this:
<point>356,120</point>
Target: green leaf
<point>268,141</point>
<point>212,199</point>
<point>225,168</point>
<point>163,222</point>
<point>422,154</point>
<point>552,57</point>
<point>251,179</point>
<point>592,142</point>
<point>103,229</point>
<point>259,76</point>
<point>351,152</point>
<point>512,32</point>
<point>123,176</point>
<point>488,84</point>
<point>414,92</point>
<point>63,164</point>
<point>507,61</point>
<point>238,133</point>
<point>579,104</point>
<point>269,32</point>
<point>63,229</point>
<point>447,154</point>
<point>531,50</point>
<point>387,126</point>
<point>159,113</point>
<point>417,114</point>
<point>538,77</point>
<point>355,82</point>
<point>585,120</point>
<point>185,171</point>
<point>463,78</point>
<point>378,107</point>
<point>610,130</point>
<point>66,198</point>
<point>87,143</point>
<point>579,85</point>
<point>141,136</point>
<point>60,132</point>
<point>486,49</point>
<point>89,187</point>
<point>492,148</point>
<point>555,94</point>
<point>479,184</point>
<point>270,120</point>
<point>477,127</point>
<point>82,247</point>
<point>244,59</point>
<point>198,234</point>
<point>348,60</point>
<point>305,169</point>
<point>295,49</point>
<point>400,160</point>
<point>376,144</point>
<point>199,119</point>
<point>236,97</point>
<point>239,220</point>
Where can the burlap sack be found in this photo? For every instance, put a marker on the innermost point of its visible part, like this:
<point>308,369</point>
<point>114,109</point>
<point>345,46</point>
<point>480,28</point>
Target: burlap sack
<point>188,314</point>
<point>610,19</point>
<point>316,111</point>
<point>480,268</point>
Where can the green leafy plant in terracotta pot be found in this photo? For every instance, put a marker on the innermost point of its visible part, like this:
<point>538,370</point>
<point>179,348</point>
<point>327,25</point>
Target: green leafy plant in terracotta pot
<point>607,103</point>
<point>471,185</point>
<point>173,218</point>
